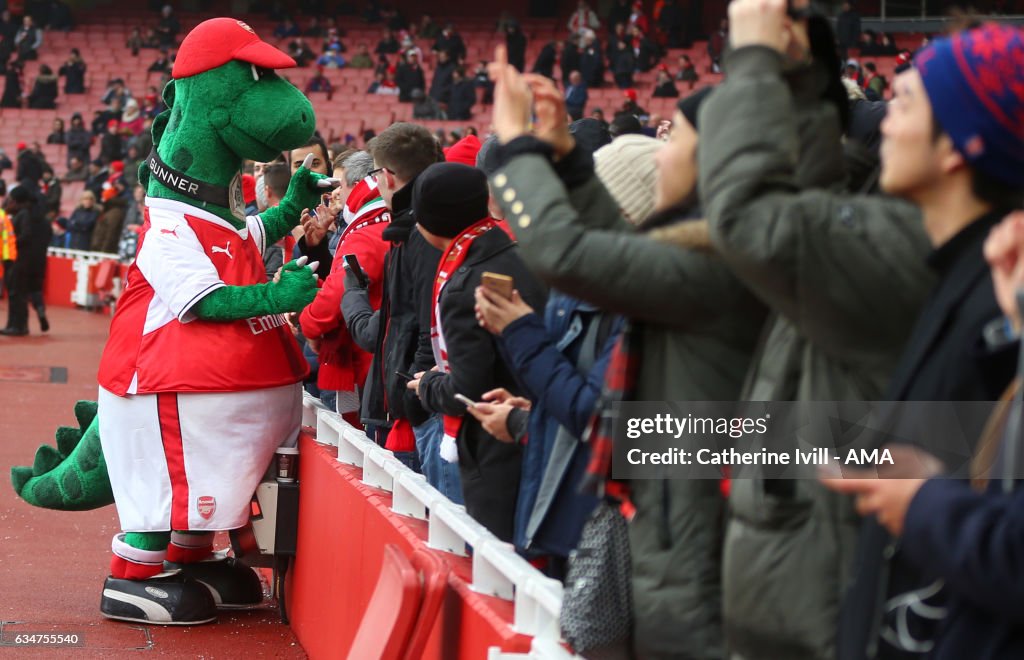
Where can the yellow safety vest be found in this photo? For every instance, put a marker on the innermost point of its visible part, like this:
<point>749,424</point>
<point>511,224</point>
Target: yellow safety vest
<point>8,242</point>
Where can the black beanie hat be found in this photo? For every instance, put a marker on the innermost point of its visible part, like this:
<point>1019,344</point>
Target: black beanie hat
<point>691,105</point>
<point>448,198</point>
<point>590,134</point>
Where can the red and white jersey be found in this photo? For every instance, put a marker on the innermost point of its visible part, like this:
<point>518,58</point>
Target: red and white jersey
<point>156,342</point>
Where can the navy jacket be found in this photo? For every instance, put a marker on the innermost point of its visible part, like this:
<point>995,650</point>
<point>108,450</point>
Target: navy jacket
<point>576,97</point>
<point>943,361</point>
<point>544,360</point>
<point>975,542</point>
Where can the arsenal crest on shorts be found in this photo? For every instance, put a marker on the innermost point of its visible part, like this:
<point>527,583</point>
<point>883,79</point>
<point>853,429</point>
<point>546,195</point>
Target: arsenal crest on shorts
<point>206,505</point>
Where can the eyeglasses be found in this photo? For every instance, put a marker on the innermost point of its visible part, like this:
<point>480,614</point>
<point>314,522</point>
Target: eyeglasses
<point>377,171</point>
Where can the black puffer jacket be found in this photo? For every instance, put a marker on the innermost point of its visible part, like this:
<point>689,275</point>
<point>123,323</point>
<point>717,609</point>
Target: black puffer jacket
<point>403,329</point>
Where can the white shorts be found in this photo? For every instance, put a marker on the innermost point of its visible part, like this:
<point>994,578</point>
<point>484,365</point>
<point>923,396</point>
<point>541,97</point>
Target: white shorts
<point>187,461</point>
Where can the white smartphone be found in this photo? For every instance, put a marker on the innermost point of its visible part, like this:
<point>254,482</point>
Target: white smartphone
<point>461,398</point>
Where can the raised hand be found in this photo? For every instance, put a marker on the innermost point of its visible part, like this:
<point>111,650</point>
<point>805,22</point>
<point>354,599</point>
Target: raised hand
<point>1004,251</point>
<point>511,116</point>
<point>759,23</point>
<point>549,108</point>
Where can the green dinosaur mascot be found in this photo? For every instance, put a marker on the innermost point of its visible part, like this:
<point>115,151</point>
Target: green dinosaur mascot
<point>200,381</point>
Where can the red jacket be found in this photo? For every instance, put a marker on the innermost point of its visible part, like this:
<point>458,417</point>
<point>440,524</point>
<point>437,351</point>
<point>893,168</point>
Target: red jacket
<point>343,365</point>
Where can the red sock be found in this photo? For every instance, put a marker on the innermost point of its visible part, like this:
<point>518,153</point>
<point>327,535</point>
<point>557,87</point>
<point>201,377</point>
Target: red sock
<point>179,555</point>
<point>129,570</point>
<point>189,548</point>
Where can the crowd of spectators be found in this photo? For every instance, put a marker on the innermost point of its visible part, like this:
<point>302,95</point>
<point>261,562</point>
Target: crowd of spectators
<point>743,268</point>
<point>788,235</point>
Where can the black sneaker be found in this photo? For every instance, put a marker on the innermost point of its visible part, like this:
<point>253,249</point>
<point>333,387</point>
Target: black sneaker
<point>232,584</point>
<point>169,599</point>
<point>44,323</point>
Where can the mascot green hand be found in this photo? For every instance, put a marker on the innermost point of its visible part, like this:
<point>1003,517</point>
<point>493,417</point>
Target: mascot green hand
<point>200,380</point>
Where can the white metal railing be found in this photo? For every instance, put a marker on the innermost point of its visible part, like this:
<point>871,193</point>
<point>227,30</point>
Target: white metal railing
<point>83,260</point>
<point>497,569</point>
<point>91,257</point>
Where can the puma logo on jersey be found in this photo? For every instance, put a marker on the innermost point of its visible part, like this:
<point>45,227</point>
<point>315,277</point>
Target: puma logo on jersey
<point>174,231</point>
<point>223,250</point>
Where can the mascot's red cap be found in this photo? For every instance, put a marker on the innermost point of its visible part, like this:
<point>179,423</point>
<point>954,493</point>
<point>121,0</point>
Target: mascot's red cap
<point>220,40</point>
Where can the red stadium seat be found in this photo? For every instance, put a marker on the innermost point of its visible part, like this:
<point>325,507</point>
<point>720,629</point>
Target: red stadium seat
<point>390,616</point>
<point>434,572</point>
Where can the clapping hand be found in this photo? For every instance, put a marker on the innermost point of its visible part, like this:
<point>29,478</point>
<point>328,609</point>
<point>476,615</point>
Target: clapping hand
<point>516,95</point>
<point>1004,251</point>
<point>512,99</point>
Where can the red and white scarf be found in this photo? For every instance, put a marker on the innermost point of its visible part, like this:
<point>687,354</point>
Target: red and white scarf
<point>363,207</point>
<point>450,262</point>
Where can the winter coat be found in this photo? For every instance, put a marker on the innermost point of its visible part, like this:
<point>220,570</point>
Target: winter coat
<point>845,276</point>
<point>408,78</point>
<point>33,234</point>
<point>74,77</point>
<point>576,99</point>
<point>51,197</point>
<point>942,361</point>
<point>111,147</point>
<point>44,93</point>
<point>29,169</point>
<point>463,98</point>
<point>972,541</point>
<point>79,141</point>
<point>343,365</point>
<point>623,62</point>
<point>545,62</point>
<point>80,227</point>
<point>666,90</point>
<point>441,83</point>
<point>107,233</point>
<point>848,28</point>
<point>547,357</point>
<point>402,340</point>
<point>569,62</point>
<point>12,89</point>
<point>452,43</point>
<point>489,468</point>
<point>698,326</point>
<point>592,66</point>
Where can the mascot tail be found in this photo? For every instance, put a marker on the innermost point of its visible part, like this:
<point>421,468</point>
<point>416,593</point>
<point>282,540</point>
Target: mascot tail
<point>72,477</point>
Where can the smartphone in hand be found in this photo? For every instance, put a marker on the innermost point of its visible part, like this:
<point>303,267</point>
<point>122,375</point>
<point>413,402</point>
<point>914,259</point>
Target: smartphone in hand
<point>503,285</point>
<point>469,403</point>
<point>353,265</point>
<point>405,375</point>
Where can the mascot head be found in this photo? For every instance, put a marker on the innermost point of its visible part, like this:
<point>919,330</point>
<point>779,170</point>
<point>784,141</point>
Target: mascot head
<point>225,103</point>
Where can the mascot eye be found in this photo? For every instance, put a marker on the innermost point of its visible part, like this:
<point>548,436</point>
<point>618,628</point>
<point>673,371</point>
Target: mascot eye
<point>259,73</point>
